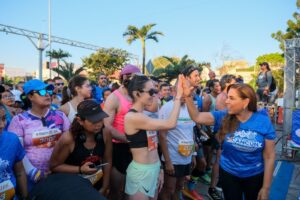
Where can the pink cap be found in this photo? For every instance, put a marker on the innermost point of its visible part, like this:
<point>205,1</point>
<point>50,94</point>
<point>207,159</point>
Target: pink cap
<point>130,69</point>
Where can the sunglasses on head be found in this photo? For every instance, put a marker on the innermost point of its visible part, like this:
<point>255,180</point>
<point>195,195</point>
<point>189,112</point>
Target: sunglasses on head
<point>58,84</point>
<point>151,92</point>
<point>43,92</point>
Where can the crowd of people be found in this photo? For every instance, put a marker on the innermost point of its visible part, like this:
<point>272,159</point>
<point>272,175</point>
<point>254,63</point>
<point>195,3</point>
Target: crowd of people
<point>140,139</point>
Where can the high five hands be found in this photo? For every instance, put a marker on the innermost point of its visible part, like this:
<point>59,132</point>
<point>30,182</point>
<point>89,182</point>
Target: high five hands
<point>184,88</point>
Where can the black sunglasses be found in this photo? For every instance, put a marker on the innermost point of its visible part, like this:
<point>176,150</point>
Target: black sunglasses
<point>58,84</point>
<point>151,92</point>
<point>43,92</point>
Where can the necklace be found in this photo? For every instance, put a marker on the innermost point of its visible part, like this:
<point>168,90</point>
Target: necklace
<point>91,151</point>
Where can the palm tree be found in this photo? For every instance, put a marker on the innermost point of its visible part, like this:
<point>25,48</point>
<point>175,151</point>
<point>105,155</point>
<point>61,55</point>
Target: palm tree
<point>67,70</point>
<point>133,33</point>
<point>172,70</point>
<point>58,55</point>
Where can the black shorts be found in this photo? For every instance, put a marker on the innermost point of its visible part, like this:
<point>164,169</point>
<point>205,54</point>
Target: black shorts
<point>213,142</point>
<point>180,170</point>
<point>121,156</point>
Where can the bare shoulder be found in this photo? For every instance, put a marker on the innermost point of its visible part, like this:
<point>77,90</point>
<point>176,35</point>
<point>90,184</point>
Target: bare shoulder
<point>66,139</point>
<point>65,108</point>
<point>111,102</point>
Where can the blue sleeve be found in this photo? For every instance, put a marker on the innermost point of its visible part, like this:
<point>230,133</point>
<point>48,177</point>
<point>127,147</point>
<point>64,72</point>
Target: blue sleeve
<point>19,149</point>
<point>218,116</point>
<point>269,132</point>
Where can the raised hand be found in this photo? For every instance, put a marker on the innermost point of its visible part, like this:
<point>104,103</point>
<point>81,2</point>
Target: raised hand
<point>179,93</point>
<point>187,88</point>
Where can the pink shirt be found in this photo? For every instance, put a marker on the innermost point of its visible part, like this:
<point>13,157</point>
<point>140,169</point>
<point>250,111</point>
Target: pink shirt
<point>124,106</point>
<point>39,136</point>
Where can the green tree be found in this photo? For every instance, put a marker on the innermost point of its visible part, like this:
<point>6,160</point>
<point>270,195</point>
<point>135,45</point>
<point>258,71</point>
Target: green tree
<point>67,70</point>
<point>133,33</point>
<point>58,55</point>
<point>175,67</point>
<point>107,61</point>
<point>292,31</point>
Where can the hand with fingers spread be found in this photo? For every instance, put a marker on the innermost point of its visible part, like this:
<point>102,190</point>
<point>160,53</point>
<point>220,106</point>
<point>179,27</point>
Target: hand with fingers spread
<point>187,88</point>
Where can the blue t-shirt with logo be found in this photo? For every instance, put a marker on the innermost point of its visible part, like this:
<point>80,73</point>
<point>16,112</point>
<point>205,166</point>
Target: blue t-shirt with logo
<point>11,152</point>
<point>242,151</point>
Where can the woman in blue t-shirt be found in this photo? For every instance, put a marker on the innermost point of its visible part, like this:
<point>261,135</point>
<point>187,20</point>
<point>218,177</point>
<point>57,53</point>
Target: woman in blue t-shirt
<point>247,137</point>
<point>12,173</point>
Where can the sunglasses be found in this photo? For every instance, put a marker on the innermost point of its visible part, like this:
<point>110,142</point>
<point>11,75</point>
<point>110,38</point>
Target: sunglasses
<point>43,92</point>
<point>58,84</point>
<point>151,92</point>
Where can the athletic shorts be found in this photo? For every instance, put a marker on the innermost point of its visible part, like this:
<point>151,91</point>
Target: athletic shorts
<point>142,178</point>
<point>180,170</point>
<point>121,156</point>
<point>200,153</point>
<point>213,142</point>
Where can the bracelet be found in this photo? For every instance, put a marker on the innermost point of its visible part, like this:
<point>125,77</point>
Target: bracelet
<point>80,172</point>
<point>195,153</point>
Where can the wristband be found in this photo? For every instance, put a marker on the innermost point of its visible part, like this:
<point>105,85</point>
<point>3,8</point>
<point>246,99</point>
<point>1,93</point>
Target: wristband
<point>194,153</point>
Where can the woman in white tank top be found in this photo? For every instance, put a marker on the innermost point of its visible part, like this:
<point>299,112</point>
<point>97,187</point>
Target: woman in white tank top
<point>79,89</point>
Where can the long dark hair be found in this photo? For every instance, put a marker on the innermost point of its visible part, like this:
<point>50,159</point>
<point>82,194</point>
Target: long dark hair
<point>230,122</point>
<point>137,83</point>
<point>70,91</point>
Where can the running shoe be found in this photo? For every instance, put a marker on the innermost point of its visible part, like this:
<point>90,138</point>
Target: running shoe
<point>214,194</point>
<point>205,179</point>
<point>192,194</point>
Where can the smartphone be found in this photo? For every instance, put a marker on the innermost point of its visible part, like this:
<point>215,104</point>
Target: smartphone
<point>97,166</point>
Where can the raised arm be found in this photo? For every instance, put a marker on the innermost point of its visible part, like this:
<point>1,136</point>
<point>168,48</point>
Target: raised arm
<point>111,107</point>
<point>203,118</point>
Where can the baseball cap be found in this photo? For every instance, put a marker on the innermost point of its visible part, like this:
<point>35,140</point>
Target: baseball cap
<point>91,111</point>
<point>264,63</point>
<point>35,85</point>
<point>130,69</point>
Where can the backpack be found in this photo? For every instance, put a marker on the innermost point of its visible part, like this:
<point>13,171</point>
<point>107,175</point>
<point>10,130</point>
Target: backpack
<point>273,83</point>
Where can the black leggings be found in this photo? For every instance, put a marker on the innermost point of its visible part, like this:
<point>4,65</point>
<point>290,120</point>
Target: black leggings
<point>234,188</point>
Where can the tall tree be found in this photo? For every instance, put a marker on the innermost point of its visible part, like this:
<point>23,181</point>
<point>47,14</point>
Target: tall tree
<point>133,33</point>
<point>58,55</point>
<point>292,31</point>
<point>67,71</point>
<point>107,61</point>
<point>175,67</point>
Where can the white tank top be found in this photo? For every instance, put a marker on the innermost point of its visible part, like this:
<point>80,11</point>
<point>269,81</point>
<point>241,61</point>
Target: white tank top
<point>72,112</point>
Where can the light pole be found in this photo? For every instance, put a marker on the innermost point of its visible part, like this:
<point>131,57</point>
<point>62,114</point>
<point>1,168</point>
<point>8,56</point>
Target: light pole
<point>40,47</point>
<point>49,42</point>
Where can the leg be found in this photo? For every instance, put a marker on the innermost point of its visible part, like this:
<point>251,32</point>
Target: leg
<point>179,187</point>
<point>169,187</point>
<point>116,184</point>
<point>252,185</point>
<point>231,186</point>
<point>138,196</point>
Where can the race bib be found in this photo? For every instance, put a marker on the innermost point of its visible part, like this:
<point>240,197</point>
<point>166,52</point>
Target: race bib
<point>46,138</point>
<point>152,140</point>
<point>7,190</point>
<point>185,148</point>
<point>94,178</point>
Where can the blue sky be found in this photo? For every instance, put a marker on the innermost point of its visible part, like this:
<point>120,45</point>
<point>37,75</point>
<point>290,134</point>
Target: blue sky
<point>203,29</point>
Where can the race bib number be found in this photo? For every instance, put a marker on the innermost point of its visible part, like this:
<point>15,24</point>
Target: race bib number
<point>7,190</point>
<point>94,178</point>
<point>46,138</point>
<point>185,148</point>
<point>152,140</point>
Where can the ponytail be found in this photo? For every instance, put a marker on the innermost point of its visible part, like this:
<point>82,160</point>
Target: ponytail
<point>66,95</point>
